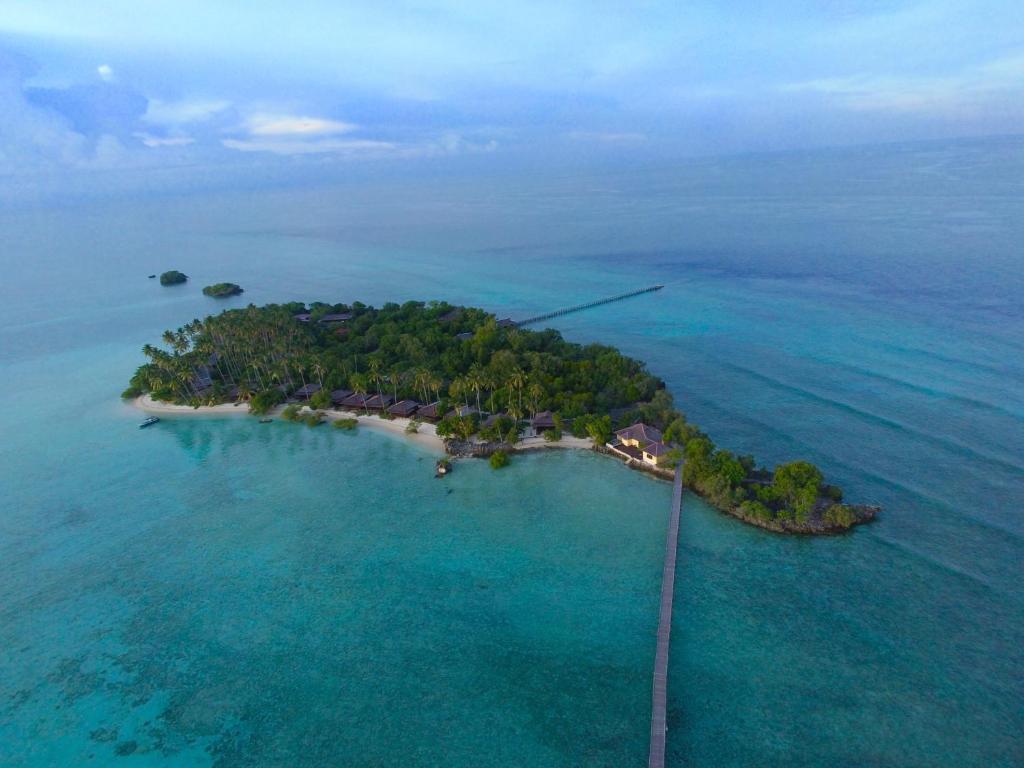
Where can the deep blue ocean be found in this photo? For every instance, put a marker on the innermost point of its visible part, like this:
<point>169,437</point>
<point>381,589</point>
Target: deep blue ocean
<point>224,593</point>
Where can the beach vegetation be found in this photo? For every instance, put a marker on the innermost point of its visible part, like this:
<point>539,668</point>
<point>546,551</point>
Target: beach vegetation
<point>499,459</point>
<point>346,424</point>
<point>291,412</point>
<point>320,400</point>
<point>264,401</point>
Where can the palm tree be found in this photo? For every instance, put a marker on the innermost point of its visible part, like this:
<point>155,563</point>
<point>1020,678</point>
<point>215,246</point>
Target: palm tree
<point>395,376</point>
<point>475,380</point>
<point>359,386</point>
<point>318,369</point>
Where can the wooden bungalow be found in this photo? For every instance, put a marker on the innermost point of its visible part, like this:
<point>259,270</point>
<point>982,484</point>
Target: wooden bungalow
<point>429,412</point>
<point>543,421</point>
<point>447,317</point>
<point>303,317</point>
<point>335,317</point>
<point>404,408</point>
<point>338,396</point>
<point>462,410</point>
<point>379,402</point>
<point>306,392</point>
<point>492,419</point>
<point>355,401</point>
<point>507,322</point>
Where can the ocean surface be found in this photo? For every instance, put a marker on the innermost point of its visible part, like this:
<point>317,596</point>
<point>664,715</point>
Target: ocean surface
<point>225,593</point>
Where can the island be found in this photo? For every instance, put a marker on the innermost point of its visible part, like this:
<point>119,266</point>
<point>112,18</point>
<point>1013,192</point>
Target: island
<point>486,388</point>
<point>173,277</point>
<point>222,290</point>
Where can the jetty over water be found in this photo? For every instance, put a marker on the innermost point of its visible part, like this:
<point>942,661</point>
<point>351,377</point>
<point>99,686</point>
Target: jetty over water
<point>659,699</point>
<point>589,305</point>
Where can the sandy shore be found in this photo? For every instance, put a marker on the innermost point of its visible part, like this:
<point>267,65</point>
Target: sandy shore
<point>426,436</point>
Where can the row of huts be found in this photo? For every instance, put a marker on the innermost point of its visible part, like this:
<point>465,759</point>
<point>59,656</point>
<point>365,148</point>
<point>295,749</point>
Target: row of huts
<point>432,412</point>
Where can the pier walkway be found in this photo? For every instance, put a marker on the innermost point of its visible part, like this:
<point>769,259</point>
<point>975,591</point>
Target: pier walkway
<point>659,699</point>
<point>588,305</point>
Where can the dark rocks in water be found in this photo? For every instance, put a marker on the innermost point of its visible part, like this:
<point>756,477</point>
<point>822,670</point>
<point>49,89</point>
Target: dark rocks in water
<point>126,748</point>
<point>222,290</point>
<point>151,277</point>
<point>173,277</point>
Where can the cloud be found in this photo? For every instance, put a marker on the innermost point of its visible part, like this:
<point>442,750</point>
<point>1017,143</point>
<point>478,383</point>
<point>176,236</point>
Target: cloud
<point>972,90</point>
<point>608,137</point>
<point>183,112</point>
<point>285,146</point>
<point>295,125</point>
<point>163,141</point>
<point>106,72</point>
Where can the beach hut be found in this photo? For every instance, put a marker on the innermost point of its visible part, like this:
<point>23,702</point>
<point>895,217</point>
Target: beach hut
<point>542,421</point>
<point>462,410</point>
<point>355,401</point>
<point>404,408</point>
<point>379,402</point>
<point>338,396</point>
<point>302,317</point>
<point>306,392</point>
<point>335,317</point>
<point>430,412</point>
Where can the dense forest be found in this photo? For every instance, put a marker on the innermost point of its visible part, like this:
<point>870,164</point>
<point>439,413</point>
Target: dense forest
<point>462,356</point>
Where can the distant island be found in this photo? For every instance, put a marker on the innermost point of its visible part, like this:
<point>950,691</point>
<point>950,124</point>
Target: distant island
<point>173,277</point>
<point>222,290</point>
<point>483,386</point>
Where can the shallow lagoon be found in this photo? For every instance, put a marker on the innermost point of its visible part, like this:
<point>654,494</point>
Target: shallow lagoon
<point>222,580</point>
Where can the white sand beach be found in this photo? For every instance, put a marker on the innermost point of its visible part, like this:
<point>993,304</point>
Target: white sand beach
<point>425,437</point>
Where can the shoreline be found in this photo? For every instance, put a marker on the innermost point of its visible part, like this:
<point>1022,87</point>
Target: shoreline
<point>427,438</point>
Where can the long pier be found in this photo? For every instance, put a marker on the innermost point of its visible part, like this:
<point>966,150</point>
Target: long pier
<point>588,305</point>
<point>659,698</point>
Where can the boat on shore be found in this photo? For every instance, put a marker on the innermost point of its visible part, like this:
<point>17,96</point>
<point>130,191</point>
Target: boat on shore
<point>149,422</point>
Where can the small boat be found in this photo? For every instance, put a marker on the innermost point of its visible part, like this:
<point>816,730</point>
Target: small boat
<point>151,420</point>
<point>151,277</point>
<point>266,421</point>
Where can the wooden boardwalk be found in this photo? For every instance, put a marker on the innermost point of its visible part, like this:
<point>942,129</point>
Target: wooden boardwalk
<point>588,305</point>
<point>659,699</point>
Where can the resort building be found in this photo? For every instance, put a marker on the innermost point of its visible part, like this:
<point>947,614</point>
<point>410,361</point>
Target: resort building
<point>462,410</point>
<point>430,412</point>
<point>542,421</point>
<point>336,317</point>
<point>379,402</point>
<point>338,396</point>
<point>306,392</point>
<point>640,442</point>
<point>355,401</point>
<point>404,408</point>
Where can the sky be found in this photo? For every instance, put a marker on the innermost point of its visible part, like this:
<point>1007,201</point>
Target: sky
<point>131,86</point>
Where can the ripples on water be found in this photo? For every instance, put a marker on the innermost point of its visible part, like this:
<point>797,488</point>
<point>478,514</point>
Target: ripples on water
<point>247,595</point>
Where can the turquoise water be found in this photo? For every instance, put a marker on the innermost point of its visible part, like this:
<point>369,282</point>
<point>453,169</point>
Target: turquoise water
<point>228,593</point>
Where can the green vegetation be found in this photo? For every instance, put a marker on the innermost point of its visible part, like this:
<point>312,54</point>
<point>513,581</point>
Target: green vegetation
<point>347,424</point>
<point>412,427</point>
<point>499,459</point>
<point>412,350</point>
<point>173,277</point>
<point>222,290</point>
<point>320,400</point>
